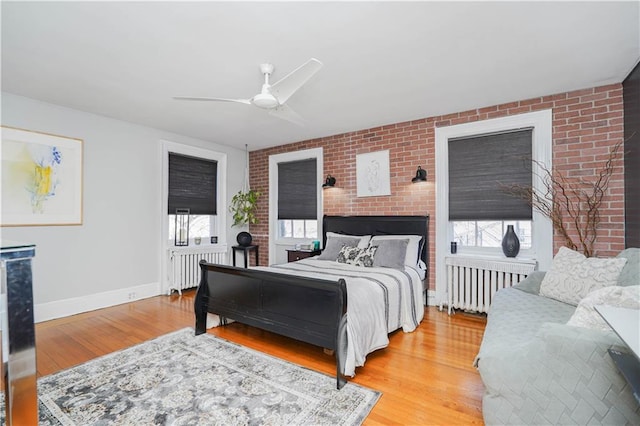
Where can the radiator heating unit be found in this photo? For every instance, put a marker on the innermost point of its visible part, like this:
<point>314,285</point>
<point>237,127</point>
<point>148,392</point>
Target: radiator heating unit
<point>184,268</point>
<point>472,282</point>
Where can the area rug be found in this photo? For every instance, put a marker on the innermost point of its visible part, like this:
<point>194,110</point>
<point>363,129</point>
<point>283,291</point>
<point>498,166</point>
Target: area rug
<point>183,379</point>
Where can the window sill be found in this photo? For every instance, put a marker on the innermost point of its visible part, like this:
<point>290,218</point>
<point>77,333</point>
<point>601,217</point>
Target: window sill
<point>511,264</point>
<point>198,248</point>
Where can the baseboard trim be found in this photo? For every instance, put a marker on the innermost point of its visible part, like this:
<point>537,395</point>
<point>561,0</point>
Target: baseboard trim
<point>76,305</point>
<point>431,298</point>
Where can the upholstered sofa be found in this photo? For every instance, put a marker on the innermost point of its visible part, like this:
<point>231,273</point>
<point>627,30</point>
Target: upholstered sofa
<point>537,369</point>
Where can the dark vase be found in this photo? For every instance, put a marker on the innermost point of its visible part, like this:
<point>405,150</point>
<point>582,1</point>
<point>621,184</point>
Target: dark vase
<point>244,239</point>
<point>510,243</point>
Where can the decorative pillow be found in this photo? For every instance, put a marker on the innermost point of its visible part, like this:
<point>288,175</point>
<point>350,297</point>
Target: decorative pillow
<point>348,254</point>
<point>390,253</point>
<point>413,247</point>
<point>363,239</point>
<point>572,276</point>
<point>622,297</point>
<point>333,246</point>
<point>366,257</point>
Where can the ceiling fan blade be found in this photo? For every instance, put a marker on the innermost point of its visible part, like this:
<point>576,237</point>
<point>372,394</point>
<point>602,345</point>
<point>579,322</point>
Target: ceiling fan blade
<point>289,84</point>
<point>187,98</point>
<point>285,112</point>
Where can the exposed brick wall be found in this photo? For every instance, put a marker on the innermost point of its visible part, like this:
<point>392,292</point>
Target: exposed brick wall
<point>586,124</point>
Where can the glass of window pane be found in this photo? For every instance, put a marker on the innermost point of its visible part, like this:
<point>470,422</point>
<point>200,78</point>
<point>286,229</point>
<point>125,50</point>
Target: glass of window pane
<point>311,229</point>
<point>285,228</point>
<point>522,229</point>
<point>489,233</point>
<point>464,233</point>
<point>298,229</point>
<point>199,226</point>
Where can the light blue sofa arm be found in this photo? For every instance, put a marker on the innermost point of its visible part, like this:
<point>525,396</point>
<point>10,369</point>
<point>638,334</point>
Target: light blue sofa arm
<point>531,284</point>
<point>564,375</point>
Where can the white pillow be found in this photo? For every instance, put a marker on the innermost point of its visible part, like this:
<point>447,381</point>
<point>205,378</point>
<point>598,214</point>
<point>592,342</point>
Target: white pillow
<point>364,239</point>
<point>413,247</point>
<point>572,276</point>
<point>622,297</point>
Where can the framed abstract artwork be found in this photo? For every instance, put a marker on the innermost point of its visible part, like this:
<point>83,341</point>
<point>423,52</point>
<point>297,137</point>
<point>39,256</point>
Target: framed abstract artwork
<point>372,174</point>
<point>41,179</point>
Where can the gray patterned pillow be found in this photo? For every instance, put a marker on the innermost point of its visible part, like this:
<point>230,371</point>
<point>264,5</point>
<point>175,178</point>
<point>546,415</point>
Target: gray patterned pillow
<point>572,276</point>
<point>356,256</point>
<point>366,257</point>
<point>348,254</point>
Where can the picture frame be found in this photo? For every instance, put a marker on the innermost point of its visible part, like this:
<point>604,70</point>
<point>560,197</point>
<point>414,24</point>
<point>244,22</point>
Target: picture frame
<point>373,176</point>
<point>42,177</point>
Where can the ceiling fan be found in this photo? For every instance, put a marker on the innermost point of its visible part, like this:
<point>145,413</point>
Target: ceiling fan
<point>272,97</point>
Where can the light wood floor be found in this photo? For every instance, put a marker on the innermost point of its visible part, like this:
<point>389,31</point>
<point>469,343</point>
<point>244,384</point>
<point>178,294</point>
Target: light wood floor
<point>426,377</point>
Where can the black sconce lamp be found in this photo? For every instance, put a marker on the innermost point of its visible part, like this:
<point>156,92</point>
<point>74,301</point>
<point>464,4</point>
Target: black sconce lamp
<point>421,175</point>
<point>329,182</point>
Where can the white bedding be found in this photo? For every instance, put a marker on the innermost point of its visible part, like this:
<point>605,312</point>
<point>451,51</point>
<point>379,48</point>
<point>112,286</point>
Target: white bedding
<point>379,301</point>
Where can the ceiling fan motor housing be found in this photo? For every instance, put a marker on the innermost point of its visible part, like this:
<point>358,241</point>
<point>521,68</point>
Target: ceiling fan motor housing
<point>265,100</point>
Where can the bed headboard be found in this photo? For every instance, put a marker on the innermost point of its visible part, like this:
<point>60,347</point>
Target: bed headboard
<point>379,225</point>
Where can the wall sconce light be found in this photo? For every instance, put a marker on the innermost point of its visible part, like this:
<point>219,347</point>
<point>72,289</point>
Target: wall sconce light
<point>421,175</point>
<point>182,227</point>
<point>329,182</point>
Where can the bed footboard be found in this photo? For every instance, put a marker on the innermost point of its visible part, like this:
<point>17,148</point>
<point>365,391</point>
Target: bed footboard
<point>306,309</point>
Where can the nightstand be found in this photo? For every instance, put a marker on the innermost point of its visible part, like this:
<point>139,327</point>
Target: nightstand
<point>246,250</point>
<point>293,255</point>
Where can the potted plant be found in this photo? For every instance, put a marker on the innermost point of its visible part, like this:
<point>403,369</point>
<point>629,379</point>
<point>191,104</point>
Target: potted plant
<point>243,208</point>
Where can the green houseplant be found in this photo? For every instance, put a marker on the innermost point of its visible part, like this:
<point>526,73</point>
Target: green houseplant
<point>243,207</point>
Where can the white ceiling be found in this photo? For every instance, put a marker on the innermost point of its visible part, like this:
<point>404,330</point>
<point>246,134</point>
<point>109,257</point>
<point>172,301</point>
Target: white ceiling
<point>384,62</point>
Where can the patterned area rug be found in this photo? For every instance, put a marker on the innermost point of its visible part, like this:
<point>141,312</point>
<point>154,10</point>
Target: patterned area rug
<point>181,379</point>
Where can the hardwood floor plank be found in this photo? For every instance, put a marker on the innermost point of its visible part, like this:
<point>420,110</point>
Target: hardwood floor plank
<point>426,377</point>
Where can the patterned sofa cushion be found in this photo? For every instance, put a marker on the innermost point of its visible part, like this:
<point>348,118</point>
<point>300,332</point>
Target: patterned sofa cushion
<point>572,275</point>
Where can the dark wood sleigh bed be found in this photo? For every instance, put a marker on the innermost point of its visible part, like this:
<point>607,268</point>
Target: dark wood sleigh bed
<point>306,309</point>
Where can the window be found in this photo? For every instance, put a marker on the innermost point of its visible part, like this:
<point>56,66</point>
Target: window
<point>480,167</point>
<point>488,233</point>
<point>193,185</point>
<point>286,227</point>
<point>475,228</point>
<point>192,177</point>
<point>297,199</point>
<point>203,226</point>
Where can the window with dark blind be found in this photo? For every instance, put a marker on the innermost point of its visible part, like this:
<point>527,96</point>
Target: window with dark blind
<point>480,166</point>
<point>192,184</point>
<point>297,189</point>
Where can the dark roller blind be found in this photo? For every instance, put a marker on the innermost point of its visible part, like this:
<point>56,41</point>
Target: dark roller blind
<point>479,166</point>
<point>192,184</point>
<point>297,189</point>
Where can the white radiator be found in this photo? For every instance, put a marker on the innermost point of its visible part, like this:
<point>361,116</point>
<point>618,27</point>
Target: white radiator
<point>473,281</point>
<point>184,268</point>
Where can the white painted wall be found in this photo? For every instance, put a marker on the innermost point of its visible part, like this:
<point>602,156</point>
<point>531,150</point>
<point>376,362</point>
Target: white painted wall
<point>117,250</point>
